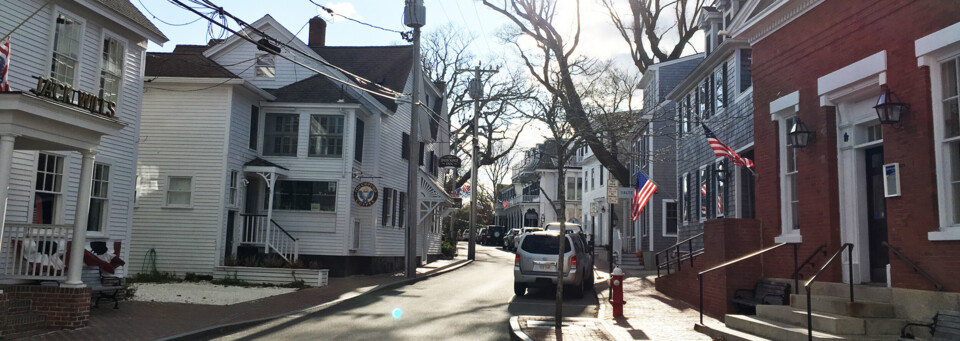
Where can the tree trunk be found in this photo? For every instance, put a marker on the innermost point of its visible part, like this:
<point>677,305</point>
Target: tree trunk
<point>561,216</point>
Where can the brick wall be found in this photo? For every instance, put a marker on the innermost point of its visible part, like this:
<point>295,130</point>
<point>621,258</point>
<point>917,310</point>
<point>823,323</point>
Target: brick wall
<point>724,239</point>
<point>831,36</point>
<point>32,307</point>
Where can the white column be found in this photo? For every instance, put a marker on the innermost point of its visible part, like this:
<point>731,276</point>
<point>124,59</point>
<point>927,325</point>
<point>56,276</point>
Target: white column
<point>271,182</point>
<point>80,222</point>
<point>6,159</point>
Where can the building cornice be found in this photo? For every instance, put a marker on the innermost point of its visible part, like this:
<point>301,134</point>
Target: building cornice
<point>726,49</point>
<point>755,29</point>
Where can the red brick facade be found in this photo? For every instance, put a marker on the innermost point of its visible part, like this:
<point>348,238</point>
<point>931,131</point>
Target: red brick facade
<point>723,239</point>
<point>25,308</point>
<point>831,36</point>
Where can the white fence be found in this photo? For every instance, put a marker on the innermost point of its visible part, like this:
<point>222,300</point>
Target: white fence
<point>271,236</point>
<point>34,251</point>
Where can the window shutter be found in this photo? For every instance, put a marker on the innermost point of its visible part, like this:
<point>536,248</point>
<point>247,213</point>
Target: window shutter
<point>405,150</point>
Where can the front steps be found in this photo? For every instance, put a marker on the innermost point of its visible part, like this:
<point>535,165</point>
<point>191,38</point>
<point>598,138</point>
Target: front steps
<point>630,262</point>
<point>870,317</point>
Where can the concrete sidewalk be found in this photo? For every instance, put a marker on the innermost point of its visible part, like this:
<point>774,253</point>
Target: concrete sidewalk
<point>155,320</point>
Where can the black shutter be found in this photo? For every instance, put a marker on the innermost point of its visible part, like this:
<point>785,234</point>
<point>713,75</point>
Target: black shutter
<point>254,126</point>
<point>421,153</point>
<point>386,206</point>
<point>404,149</point>
<point>358,142</point>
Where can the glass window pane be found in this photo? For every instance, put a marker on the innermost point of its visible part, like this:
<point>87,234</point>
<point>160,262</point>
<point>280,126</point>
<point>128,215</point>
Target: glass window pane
<point>180,184</point>
<point>793,216</point>
<point>951,118</point>
<point>949,74</point>
<point>178,198</point>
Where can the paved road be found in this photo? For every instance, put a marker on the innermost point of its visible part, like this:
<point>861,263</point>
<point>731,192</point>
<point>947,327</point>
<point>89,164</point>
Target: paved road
<point>472,303</point>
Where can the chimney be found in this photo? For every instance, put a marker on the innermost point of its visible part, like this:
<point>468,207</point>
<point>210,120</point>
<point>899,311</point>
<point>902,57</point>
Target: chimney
<point>318,32</point>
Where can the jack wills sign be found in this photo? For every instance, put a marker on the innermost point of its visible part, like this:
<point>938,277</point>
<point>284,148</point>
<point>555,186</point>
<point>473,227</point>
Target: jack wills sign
<point>65,93</point>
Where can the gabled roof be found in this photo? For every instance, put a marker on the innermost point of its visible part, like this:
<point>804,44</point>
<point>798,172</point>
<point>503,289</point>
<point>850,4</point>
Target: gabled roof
<point>129,11</point>
<point>185,61</point>
<point>385,65</point>
<point>316,89</point>
<point>258,162</point>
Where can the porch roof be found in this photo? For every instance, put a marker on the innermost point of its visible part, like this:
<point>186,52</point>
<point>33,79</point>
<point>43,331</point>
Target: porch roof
<point>45,124</point>
<point>259,165</point>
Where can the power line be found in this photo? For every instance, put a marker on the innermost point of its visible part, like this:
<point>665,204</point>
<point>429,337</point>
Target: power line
<point>405,35</point>
<point>161,20</point>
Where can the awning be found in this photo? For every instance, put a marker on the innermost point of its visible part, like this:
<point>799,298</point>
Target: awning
<point>432,196</point>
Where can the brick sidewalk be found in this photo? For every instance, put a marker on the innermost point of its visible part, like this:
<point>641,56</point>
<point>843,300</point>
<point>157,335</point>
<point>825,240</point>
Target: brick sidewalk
<point>542,328</point>
<point>155,320</point>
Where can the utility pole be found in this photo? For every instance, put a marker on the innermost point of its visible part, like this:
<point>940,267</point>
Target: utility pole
<point>476,92</point>
<point>414,15</point>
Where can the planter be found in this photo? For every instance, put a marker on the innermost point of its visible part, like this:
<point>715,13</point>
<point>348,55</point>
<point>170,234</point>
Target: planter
<point>277,276</point>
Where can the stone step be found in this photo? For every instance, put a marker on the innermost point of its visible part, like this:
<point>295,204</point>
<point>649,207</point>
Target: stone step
<point>860,292</point>
<point>721,332</point>
<point>843,306</point>
<point>788,332</point>
<point>831,323</point>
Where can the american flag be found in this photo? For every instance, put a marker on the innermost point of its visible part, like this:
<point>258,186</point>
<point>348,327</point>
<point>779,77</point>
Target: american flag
<point>641,195</point>
<point>4,65</point>
<point>720,149</point>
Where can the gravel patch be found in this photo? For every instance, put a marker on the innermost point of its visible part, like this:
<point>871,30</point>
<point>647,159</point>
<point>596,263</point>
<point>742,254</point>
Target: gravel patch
<point>202,293</point>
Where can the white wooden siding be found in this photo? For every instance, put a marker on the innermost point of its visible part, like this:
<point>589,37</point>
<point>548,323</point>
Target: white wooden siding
<point>30,56</point>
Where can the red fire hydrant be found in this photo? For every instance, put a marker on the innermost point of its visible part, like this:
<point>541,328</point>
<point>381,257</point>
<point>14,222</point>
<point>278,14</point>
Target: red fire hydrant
<point>616,298</point>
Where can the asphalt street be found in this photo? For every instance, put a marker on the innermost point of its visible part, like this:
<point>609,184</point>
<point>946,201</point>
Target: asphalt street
<point>471,303</point>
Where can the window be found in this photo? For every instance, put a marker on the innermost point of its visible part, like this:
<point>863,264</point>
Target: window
<point>387,214</point>
<point>681,118</point>
<point>704,197</point>
<point>97,219</point>
<point>358,142</point>
<point>49,185</point>
<point>704,101</point>
<point>266,66</point>
<point>234,180</point>
<point>66,49</point>
<point>280,134</point>
<point>593,184</point>
<point>111,69</point>
<point>788,176</point>
<point>669,218</point>
<point>314,196</point>
<point>573,185</point>
<point>949,143</point>
<point>405,146</point>
<point>601,175</point>
<point>688,120</point>
<point>254,126</point>
<point>402,212</point>
<point>720,183</point>
<point>326,135</point>
<point>719,83</point>
<point>746,59</point>
<point>393,210</point>
<point>685,197</point>
<point>179,190</point>
<point>747,201</point>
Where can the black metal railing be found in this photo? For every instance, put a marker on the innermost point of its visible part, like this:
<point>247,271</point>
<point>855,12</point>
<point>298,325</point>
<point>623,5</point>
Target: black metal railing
<point>806,286</point>
<point>734,261</point>
<point>679,258</point>
<point>915,267</point>
<point>796,274</point>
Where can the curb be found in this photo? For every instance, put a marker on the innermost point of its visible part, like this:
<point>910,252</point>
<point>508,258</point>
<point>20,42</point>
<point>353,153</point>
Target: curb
<point>517,333</point>
<point>233,326</point>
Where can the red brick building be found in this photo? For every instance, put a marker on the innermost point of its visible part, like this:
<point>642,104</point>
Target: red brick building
<point>827,68</point>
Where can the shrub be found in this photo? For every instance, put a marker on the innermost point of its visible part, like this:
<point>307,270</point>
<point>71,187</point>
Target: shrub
<point>231,280</point>
<point>448,250</point>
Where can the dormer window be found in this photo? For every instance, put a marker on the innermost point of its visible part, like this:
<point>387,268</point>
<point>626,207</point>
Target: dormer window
<point>266,66</point>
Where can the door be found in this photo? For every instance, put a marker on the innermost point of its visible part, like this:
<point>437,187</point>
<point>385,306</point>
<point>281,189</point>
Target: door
<point>876,215</point>
<point>231,222</point>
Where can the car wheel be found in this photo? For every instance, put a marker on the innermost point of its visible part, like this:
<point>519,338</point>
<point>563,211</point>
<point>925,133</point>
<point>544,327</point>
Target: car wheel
<point>590,282</point>
<point>578,290</point>
<point>519,289</point>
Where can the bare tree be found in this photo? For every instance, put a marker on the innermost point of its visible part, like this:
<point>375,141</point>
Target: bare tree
<point>656,31</point>
<point>500,168</point>
<point>445,52</point>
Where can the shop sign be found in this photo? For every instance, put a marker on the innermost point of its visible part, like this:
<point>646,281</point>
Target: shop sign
<point>449,161</point>
<point>365,194</point>
<point>65,93</point>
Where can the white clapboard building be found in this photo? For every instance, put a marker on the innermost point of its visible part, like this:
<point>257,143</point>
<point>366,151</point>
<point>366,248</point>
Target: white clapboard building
<point>246,154</point>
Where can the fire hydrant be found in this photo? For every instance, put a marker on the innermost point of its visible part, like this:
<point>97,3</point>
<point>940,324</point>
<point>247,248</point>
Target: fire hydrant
<point>616,297</point>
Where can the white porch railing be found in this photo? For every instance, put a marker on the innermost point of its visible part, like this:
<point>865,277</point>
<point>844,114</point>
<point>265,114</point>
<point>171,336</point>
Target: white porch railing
<point>35,252</point>
<point>271,236</point>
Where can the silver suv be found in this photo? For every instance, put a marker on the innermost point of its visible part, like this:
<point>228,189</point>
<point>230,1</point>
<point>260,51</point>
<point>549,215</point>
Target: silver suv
<point>536,263</point>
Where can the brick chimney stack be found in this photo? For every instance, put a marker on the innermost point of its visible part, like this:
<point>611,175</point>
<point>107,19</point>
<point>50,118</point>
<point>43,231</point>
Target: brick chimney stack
<point>318,32</point>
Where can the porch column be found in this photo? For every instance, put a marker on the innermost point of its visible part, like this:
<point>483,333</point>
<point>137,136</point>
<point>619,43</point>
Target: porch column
<point>6,158</point>
<point>80,222</point>
<point>271,182</point>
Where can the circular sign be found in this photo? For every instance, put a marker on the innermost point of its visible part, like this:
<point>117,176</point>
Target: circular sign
<point>365,194</point>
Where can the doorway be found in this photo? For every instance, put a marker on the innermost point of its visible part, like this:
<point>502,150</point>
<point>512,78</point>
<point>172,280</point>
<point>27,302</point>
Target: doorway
<point>876,214</point>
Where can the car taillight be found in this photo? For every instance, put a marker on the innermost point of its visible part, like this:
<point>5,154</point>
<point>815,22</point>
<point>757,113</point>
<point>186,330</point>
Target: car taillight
<point>516,260</point>
<point>573,260</point>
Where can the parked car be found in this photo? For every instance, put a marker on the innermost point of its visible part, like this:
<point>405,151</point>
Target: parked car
<point>508,240</point>
<point>481,235</point>
<point>524,231</point>
<point>569,227</point>
<point>493,235</point>
<point>536,263</point>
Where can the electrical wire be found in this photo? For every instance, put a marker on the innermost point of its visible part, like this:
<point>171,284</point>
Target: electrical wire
<point>330,11</point>
<point>161,20</point>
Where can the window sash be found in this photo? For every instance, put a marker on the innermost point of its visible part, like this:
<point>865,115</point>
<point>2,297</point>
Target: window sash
<point>281,134</point>
<point>49,173</point>
<point>111,69</point>
<point>66,49</point>
<point>179,190</point>
<point>234,176</point>
<point>670,219</point>
<point>313,196</point>
<point>266,66</point>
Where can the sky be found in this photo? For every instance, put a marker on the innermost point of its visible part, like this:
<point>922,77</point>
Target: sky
<point>599,38</point>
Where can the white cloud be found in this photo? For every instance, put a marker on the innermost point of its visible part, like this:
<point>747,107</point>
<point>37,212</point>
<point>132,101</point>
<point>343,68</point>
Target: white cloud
<point>341,8</point>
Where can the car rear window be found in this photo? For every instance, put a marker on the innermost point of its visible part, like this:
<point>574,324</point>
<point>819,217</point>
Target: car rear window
<point>543,244</point>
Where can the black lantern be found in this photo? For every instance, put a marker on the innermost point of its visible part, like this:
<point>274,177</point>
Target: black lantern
<point>799,136</point>
<point>889,108</point>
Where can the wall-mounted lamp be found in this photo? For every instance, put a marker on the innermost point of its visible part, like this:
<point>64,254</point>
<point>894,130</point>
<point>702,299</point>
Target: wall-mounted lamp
<point>799,136</point>
<point>889,107</point>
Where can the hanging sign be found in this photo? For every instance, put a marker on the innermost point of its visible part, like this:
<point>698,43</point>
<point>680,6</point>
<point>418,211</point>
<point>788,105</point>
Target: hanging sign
<point>449,161</point>
<point>365,194</point>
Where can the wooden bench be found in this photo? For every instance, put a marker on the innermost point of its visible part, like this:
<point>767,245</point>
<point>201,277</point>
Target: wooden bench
<point>764,292</point>
<point>103,286</point>
<point>945,326</point>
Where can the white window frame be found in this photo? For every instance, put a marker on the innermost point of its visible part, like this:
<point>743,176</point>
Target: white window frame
<point>932,51</point>
<point>703,179</point>
<point>663,221</point>
<point>718,213</point>
<point>685,204</point>
<point>123,58</point>
<point>265,66</point>
<point>166,191</point>
<point>58,213</point>
<point>336,196</point>
<point>323,135</point>
<point>295,135</point>
<point>106,199</point>
<point>233,188</point>
<point>781,110</point>
<point>51,48</point>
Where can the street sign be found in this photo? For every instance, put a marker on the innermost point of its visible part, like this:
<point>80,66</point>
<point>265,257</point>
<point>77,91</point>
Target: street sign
<point>593,209</point>
<point>449,161</point>
<point>613,189</point>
